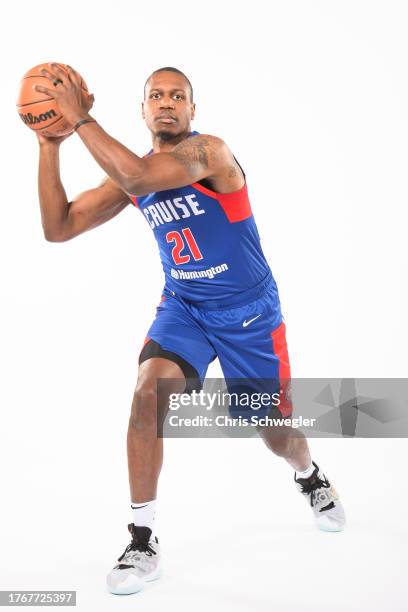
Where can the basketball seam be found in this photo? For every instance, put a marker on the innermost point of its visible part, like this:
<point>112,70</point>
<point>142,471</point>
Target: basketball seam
<point>37,102</point>
<point>47,126</point>
<point>40,76</point>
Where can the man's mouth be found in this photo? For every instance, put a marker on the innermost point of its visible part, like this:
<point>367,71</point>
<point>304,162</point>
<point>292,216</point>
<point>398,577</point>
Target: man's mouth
<point>166,119</point>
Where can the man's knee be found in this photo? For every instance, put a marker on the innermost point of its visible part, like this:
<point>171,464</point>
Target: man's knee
<point>144,408</point>
<point>150,399</point>
<point>150,403</point>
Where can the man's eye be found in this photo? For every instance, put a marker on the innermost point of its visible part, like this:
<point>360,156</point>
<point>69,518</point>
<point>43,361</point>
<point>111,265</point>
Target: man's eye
<point>156,96</point>
<point>179,97</point>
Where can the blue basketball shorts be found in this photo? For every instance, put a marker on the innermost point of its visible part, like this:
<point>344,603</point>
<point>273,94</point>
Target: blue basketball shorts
<point>249,339</point>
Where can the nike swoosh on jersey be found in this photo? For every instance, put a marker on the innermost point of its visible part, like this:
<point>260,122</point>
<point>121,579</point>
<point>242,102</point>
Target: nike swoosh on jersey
<point>246,323</point>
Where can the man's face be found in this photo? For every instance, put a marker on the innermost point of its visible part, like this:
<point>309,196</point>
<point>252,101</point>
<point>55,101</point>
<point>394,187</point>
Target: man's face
<point>167,108</point>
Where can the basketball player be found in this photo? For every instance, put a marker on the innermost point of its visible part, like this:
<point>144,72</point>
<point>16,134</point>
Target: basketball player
<point>219,298</point>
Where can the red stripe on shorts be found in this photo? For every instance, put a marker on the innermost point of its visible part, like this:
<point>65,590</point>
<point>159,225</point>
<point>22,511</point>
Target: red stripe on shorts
<point>280,349</point>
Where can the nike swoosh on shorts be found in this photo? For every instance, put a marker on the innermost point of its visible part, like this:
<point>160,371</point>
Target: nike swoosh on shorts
<point>246,323</point>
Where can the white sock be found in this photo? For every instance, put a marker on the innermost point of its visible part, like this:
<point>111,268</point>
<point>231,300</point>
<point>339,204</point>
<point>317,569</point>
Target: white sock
<point>307,473</point>
<point>143,513</point>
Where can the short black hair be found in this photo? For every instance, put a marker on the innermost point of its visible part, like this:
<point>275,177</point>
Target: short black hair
<point>171,69</point>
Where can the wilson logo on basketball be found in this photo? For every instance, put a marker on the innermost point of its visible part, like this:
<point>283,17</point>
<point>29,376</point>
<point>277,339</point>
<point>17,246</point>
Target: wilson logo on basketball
<point>30,119</point>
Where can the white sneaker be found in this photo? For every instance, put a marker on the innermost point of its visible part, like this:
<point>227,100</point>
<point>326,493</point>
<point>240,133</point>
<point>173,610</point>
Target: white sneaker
<point>139,563</point>
<point>327,508</point>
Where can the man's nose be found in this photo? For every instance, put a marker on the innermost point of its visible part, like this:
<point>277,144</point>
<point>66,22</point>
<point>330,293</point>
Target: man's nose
<point>167,102</point>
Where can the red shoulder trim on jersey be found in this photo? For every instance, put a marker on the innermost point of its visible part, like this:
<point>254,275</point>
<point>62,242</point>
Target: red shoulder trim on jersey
<point>236,204</point>
<point>208,192</point>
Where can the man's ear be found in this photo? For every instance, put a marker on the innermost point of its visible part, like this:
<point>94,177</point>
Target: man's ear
<point>143,115</point>
<point>193,108</point>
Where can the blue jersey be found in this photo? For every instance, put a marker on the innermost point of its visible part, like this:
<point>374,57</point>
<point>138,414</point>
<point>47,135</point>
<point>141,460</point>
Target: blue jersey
<point>209,243</point>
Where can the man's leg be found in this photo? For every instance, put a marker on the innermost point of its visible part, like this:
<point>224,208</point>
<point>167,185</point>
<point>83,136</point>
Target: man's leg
<point>251,345</point>
<point>289,443</point>
<point>176,351</point>
<point>145,449</point>
<point>140,561</point>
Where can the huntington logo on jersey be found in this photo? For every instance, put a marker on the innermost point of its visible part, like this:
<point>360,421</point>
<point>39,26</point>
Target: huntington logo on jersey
<point>198,273</point>
<point>209,243</point>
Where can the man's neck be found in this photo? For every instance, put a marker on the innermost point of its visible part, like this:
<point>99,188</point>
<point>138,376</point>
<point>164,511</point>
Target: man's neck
<point>161,146</point>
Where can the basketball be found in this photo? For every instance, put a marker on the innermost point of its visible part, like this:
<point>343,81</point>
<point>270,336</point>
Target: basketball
<point>37,110</point>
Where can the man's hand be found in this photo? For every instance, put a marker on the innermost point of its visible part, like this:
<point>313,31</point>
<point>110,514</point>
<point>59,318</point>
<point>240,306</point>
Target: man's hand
<point>49,140</point>
<point>73,102</point>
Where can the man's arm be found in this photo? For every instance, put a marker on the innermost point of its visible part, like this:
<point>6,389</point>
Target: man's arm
<point>192,160</point>
<point>63,220</point>
<point>195,158</point>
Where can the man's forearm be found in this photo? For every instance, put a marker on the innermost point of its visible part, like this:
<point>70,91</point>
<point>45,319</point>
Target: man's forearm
<point>53,199</point>
<point>121,164</point>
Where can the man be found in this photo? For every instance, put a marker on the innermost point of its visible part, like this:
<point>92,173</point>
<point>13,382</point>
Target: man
<point>219,300</point>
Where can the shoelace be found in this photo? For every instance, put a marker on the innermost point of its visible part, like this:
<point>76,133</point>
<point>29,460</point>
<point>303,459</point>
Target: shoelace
<point>310,487</point>
<point>135,545</point>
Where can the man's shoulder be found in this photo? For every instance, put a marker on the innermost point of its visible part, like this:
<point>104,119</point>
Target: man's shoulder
<point>205,148</point>
<point>205,140</point>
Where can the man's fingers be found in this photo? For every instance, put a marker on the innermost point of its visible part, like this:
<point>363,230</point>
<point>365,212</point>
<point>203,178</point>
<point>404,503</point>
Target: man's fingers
<point>74,76</point>
<point>49,75</point>
<point>50,92</point>
<point>59,72</point>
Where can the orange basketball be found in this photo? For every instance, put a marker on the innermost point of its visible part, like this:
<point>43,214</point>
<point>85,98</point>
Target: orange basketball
<point>37,110</point>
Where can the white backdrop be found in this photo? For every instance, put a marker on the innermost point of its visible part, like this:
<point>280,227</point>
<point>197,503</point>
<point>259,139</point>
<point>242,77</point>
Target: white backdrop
<point>311,96</point>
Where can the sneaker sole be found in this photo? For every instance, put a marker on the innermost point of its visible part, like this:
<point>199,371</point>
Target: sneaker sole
<point>326,526</point>
<point>130,590</point>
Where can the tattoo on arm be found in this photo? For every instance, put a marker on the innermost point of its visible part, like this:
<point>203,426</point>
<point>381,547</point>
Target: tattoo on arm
<point>232,172</point>
<point>194,151</point>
